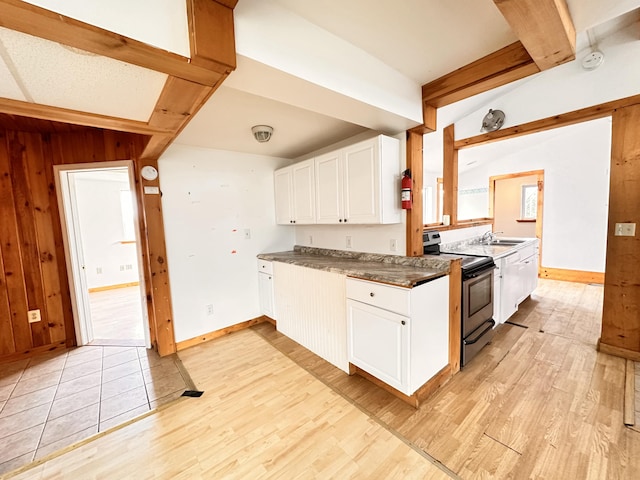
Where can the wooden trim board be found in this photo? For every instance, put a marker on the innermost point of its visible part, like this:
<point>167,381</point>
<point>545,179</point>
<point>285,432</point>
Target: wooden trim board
<point>455,312</point>
<point>630,394</point>
<point>113,287</point>
<point>61,345</point>
<point>577,276</point>
<point>618,351</point>
<point>419,396</point>
<point>415,221</point>
<point>207,337</point>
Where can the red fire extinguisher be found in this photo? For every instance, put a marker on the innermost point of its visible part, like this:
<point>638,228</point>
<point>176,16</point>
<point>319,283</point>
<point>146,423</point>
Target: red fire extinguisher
<point>407,194</point>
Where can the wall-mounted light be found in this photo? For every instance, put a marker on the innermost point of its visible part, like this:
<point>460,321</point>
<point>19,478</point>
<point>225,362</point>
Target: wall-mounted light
<point>262,133</point>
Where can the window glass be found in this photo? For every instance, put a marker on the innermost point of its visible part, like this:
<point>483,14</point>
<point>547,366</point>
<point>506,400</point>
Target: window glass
<point>529,205</point>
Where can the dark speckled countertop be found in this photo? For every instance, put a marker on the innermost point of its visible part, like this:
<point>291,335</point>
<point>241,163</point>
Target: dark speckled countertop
<point>391,269</point>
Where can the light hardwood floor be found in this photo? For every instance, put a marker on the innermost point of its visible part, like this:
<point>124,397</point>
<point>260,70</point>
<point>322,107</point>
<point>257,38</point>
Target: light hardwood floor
<point>116,315</point>
<point>261,416</point>
<point>539,402</point>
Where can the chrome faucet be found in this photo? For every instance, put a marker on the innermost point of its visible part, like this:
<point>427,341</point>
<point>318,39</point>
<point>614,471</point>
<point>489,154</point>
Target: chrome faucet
<point>487,237</point>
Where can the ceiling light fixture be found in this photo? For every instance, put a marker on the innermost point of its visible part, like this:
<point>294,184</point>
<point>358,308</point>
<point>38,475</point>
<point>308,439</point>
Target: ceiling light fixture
<point>492,121</point>
<point>262,133</point>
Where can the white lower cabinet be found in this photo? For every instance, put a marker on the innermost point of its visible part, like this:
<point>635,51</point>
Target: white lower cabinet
<point>398,335</point>
<point>519,278</point>
<point>265,288</point>
<point>381,350</point>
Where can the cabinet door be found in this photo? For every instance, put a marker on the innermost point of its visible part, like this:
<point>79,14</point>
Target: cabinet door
<point>265,288</point>
<point>304,198</point>
<point>283,196</point>
<point>362,182</point>
<point>529,276</point>
<point>511,286</point>
<point>328,172</point>
<point>378,343</point>
<point>497,292</point>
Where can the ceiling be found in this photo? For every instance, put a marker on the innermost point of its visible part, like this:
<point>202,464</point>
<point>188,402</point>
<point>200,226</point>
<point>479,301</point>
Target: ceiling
<point>318,72</point>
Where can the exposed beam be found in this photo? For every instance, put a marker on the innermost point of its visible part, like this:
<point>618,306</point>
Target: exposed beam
<point>39,22</point>
<point>450,175</point>
<point>179,101</point>
<point>544,27</point>
<point>562,120</point>
<point>56,114</point>
<point>415,224</point>
<point>507,65</point>
<point>211,34</point>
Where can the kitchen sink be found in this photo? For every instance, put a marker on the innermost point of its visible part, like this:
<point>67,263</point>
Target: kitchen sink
<point>506,241</point>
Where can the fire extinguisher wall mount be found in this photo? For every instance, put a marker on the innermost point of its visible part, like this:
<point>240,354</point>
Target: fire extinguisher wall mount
<point>407,190</point>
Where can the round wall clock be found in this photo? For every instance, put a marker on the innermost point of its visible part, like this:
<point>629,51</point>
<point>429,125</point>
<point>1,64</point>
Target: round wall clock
<point>149,173</point>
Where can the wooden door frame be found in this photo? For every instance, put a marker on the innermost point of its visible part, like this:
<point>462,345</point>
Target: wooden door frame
<point>149,321</point>
<point>540,180</point>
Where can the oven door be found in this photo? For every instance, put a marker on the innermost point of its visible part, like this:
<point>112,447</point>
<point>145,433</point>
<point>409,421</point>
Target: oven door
<point>477,301</point>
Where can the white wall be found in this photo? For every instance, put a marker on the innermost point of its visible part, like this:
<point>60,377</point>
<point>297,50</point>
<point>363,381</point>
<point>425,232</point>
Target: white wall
<point>364,238</point>
<point>102,231</point>
<point>568,87</point>
<point>209,198</point>
<point>575,161</point>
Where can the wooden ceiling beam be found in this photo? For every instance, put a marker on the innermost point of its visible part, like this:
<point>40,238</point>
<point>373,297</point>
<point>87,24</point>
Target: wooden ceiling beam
<point>75,117</point>
<point>179,101</point>
<point>39,22</point>
<point>544,27</point>
<point>507,65</point>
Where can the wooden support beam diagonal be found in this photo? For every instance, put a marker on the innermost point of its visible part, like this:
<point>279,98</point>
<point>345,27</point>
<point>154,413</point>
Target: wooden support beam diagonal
<point>544,27</point>
<point>30,19</point>
<point>507,65</point>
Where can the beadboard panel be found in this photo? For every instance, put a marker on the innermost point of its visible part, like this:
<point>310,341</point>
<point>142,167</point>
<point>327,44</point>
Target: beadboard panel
<point>312,310</point>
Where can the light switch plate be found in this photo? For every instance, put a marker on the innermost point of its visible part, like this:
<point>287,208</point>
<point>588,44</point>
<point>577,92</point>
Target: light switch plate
<point>625,230</point>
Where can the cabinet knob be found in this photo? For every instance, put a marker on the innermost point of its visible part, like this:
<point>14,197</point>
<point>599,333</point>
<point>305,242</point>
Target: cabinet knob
<point>403,322</point>
<point>345,220</point>
<point>340,220</point>
<point>372,294</point>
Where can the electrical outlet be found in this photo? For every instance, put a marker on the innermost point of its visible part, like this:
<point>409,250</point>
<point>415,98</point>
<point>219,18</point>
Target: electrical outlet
<point>122,268</point>
<point>99,270</point>
<point>247,234</point>
<point>34,316</point>
<point>393,245</point>
<point>625,230</point>
<point>348,241</point>
<point>209,309</point>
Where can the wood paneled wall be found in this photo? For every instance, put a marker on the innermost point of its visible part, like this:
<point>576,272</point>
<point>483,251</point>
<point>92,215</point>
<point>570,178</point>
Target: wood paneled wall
<point>621,309</point>
<point>32,265</point>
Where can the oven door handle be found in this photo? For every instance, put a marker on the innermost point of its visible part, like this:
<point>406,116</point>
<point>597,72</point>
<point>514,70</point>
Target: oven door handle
<point>484,271</point>
<point>491,323</point>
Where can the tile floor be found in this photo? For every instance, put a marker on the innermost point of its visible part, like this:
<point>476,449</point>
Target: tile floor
<point>50,401</point>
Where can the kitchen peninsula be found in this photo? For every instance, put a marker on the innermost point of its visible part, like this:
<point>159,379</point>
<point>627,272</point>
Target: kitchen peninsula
<point>385,317</point>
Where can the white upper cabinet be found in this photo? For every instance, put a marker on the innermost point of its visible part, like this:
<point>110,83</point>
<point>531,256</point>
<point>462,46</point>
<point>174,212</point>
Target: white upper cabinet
<point>295,194</point>
<point>329,190</point>
<point>359,183</point>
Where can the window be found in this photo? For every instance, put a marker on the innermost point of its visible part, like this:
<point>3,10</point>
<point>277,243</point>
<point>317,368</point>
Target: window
<point>529,203</point>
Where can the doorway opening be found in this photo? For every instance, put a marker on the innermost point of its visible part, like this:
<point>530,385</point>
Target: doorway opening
<point>102,246</point>
<point>516,202</point>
